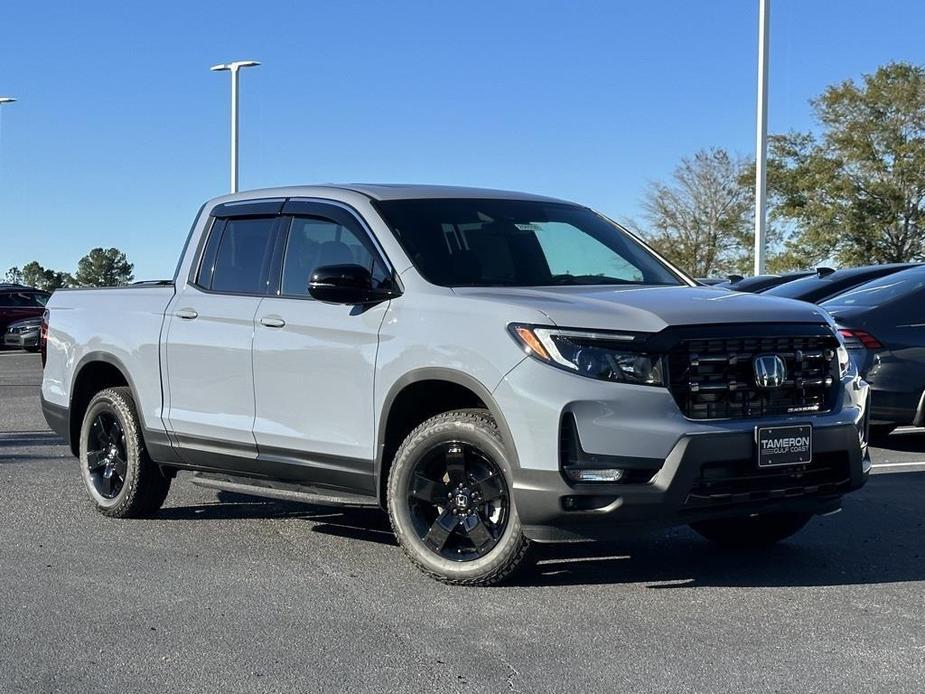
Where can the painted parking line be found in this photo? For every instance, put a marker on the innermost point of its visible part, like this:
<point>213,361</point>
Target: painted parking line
<point>889,465</point>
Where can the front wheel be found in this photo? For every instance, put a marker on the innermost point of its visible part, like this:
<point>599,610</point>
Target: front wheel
<point>450,502</point>
<point>752,531</point>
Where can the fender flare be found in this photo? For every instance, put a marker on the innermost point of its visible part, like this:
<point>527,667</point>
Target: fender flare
<point>436,373</point>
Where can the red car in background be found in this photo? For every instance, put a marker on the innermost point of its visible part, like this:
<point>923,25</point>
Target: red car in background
<point>18,302</point>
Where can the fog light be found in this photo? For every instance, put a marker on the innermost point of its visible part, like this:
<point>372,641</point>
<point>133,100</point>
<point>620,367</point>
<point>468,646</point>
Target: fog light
<point>577,474</point>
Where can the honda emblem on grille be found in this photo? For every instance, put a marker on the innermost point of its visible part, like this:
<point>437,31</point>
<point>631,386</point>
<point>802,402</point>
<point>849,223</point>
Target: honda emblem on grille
<point>770,371</point>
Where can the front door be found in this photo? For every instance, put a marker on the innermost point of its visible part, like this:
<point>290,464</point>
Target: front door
<point>314,363</point>
<point>209,341</point>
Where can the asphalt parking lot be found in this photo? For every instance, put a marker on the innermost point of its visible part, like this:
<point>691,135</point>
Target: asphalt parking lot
<point>230,593</point>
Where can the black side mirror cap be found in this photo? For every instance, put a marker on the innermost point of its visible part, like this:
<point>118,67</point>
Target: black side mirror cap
<point>347,284</point>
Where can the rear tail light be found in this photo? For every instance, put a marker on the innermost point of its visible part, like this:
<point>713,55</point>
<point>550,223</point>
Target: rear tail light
<point>859,339</point>
<point>43,337</point>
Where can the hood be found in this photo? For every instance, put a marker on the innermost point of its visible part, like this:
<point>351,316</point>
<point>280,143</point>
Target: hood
<point>27,322</point>
<point>649,309</point>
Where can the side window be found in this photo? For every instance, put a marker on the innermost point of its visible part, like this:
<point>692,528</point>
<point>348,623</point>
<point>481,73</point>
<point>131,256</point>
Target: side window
<point>315,241</point>
<point>242,256</point>
<point>207,262</point>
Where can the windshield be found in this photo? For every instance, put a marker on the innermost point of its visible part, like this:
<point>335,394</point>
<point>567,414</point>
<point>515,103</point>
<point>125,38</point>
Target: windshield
<point>880,291</point>
<point>518,243</point>
<point>24,299</point>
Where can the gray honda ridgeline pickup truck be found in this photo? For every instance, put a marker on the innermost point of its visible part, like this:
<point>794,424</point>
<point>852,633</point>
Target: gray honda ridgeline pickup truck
<point>494,369</point>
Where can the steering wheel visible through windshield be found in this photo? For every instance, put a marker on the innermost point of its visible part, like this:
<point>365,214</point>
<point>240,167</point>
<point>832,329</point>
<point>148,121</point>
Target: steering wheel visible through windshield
<point>518,243</point>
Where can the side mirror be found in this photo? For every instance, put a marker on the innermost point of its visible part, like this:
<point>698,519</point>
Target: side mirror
<point>347,284</point>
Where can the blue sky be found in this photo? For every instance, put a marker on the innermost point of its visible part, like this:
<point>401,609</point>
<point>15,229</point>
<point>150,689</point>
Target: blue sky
<point>121,131</point>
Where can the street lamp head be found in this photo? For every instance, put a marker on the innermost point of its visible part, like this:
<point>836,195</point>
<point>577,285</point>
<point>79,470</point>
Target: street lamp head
<point>234,66</point>
<point>6,99</point>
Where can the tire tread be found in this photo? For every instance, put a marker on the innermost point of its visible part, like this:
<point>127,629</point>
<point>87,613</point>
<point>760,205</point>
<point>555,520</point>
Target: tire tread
<point>506,565</point>
<point>148,487</point>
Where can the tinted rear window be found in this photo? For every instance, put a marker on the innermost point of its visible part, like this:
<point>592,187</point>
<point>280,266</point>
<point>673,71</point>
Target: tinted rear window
<point>241,260</point>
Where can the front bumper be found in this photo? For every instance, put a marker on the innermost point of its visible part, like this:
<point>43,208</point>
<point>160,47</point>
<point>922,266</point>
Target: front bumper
<point>29,340</point>
<point>704,476</point>
<point>699,469</point>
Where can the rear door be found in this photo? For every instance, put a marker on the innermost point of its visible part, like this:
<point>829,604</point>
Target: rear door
<point>209,339</point>
<point>314,363</point>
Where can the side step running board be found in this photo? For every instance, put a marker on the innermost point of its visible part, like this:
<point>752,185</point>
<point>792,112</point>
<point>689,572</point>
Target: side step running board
<point>283,491</point>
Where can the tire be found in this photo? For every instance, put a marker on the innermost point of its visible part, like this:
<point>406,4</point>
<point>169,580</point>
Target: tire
<point>461,535</point>
<point>111,442</point>
<point>752,531</point>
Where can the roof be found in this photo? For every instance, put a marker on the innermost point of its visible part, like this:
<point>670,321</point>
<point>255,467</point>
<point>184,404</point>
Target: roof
<point>4,286</point>
<point>407,191</point>
<point>383,191</point>
<point>865,269</point>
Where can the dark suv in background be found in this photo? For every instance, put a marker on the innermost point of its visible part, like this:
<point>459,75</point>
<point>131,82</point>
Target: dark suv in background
<point>19,302</point>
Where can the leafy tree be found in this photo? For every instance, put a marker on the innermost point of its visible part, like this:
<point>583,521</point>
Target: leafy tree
<point>856,192</point>
<point>35,275</point>
<point>702,219</point>
<point>103,268</point>
<point>13,275</point>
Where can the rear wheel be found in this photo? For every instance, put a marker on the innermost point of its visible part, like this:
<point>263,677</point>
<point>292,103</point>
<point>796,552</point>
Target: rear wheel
<point>752,531</point>
<point>450,502</point>
<point>123,482</point>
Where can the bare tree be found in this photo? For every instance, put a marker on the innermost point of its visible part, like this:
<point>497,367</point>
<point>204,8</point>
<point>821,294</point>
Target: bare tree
<point>701,219</point>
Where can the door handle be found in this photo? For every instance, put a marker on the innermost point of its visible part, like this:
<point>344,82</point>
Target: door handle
<point>272,321</point>
<point>186,313</point>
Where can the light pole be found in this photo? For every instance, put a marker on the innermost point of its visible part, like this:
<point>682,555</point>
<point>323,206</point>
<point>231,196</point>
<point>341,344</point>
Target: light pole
<point>761,155</point>
<point>233,68</point>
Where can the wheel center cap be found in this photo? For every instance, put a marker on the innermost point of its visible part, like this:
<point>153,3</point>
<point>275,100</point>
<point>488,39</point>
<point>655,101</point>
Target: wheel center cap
<point>462,500</point>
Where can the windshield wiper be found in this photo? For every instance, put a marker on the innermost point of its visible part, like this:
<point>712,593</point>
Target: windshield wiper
<point>568,279</point>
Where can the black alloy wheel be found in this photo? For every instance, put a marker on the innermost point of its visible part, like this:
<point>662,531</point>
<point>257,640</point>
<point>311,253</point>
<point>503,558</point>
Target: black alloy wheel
<point>458,501</point>
<point>107,458</point>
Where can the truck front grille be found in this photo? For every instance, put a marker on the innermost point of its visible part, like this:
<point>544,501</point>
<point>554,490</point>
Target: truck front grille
<point>714,377</point>
<point>721,484</point>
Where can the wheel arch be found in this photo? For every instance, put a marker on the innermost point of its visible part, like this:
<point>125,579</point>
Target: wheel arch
<point>94,372</point>
<point>402,410</point>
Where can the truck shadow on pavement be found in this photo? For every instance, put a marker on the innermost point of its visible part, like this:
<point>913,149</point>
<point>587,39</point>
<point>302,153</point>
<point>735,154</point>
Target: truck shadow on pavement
<point>369,525</point>
<point>877,538</point>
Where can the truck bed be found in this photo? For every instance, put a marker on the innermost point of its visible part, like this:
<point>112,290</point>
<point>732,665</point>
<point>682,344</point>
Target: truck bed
<point>121,323</point>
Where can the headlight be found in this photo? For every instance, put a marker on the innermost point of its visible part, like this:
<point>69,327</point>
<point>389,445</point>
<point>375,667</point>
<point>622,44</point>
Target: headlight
<point>600,355</point>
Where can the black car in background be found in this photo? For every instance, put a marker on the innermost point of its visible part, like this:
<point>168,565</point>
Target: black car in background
<point>883,325</point>
<point>762,283</point>
<point>18,302</point>
<point>826,283</point>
